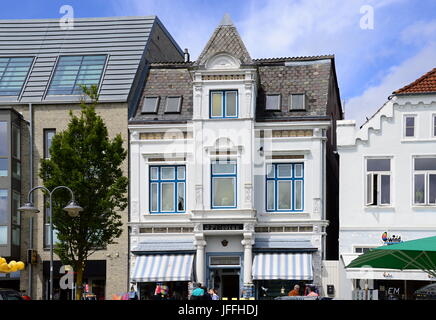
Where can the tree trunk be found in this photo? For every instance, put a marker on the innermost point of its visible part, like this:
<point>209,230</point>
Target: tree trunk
<point>79,281</point>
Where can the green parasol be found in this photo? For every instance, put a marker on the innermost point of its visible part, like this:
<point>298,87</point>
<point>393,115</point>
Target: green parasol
<point>417,254</point>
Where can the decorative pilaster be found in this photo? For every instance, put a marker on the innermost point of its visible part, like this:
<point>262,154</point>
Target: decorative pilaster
<point>248,242</point>
<point>200,267</point>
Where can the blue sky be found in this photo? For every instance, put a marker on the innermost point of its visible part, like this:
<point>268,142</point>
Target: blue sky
<point>370,63</point>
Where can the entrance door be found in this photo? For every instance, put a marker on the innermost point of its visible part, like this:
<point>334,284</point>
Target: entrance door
<point>230,285</point>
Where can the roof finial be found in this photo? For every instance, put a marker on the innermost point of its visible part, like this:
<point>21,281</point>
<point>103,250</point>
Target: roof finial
<point>226,21</point>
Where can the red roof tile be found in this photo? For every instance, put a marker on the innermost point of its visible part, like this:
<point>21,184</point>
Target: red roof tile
<point>425,84</point>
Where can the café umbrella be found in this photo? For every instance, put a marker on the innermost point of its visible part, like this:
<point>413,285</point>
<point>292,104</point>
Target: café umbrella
<point>417,254</point>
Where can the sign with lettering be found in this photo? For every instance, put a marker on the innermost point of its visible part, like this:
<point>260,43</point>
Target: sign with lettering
<point>391,239</point>
<point>209,227</point>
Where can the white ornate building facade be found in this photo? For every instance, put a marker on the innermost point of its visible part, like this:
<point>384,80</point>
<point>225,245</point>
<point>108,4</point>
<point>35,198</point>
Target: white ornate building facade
<point>232,172</point>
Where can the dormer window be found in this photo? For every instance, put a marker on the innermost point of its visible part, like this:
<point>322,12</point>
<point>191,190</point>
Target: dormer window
<point>297,101</point>
<point>150,105</point>
<point>173,104</point>
<point>224,104</point>
<point>272,102</point>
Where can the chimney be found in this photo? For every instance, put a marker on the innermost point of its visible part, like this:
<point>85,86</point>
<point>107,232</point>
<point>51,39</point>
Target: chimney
<point>186,55</point>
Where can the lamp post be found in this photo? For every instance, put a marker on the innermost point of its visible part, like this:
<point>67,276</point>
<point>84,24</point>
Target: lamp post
<point>73,210</point>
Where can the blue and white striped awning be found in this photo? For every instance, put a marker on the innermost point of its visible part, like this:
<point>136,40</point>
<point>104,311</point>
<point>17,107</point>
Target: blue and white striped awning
<point>164,267</point>
<point>282,266</point>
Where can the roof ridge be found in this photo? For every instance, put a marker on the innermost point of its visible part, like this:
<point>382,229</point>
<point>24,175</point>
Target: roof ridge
<point>319,57</point>
<point>417,81</point>
<point>80,19</point>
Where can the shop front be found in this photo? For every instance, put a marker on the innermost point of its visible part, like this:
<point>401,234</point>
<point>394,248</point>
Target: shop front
<point>163,269</point>
<point>281,263</point>
<point>276,273</point>
<point>225,273</point>
<point>94,281</point>
<point>385,284</point>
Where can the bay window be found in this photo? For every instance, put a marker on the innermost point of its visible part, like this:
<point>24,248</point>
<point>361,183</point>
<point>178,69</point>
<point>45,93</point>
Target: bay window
<point>378,182</point>
<point>167,189</point>
<point>224,183</point>
<point>424,181</point>
<point>285,187</point>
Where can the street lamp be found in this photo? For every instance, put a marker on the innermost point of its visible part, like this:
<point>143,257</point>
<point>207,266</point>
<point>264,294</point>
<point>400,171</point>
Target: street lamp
<point>73,210</point>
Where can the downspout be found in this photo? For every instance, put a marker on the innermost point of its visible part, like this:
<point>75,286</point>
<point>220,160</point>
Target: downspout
<point>323,189</point>
<point>30,285</point>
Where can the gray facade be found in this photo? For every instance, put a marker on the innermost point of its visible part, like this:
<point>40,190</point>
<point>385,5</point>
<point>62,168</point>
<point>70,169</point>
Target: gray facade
<point>10,182</point>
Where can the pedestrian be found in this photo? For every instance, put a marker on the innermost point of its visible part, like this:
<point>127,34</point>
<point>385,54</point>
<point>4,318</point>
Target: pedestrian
<point>198,292</point>
<point>312,292</point>
<point>132,294</point>
<point>295,292</point>
<point>214,294</point>
<point>206,295</point>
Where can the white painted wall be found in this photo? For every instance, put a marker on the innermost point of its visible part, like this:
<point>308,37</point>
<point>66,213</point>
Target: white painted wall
<point>382,136</point>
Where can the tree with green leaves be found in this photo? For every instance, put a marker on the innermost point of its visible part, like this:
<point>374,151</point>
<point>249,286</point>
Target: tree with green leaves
<point>86,160</point>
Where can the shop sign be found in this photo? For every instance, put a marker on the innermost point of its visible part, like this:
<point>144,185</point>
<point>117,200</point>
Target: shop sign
<point>209,227</point>
<point>391,239</point>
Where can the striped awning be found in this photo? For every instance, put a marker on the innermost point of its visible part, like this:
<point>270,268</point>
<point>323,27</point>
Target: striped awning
<point>282,266</point>
<point>165,267</point>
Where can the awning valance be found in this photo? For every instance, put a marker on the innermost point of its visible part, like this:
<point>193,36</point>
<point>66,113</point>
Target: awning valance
<point>165,267</point>
<point>282,266</point>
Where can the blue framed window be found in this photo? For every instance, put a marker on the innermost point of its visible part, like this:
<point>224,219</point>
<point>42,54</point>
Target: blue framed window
<point>73,71</point>
<point>167,189</point>
<point>223,103</point>
<point>13,73</point>
<point>224,181</point>
<point>285,187</point>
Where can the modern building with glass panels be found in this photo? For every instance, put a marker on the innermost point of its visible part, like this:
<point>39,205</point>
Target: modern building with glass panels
<point>254,209</point>
<point>43,66</point>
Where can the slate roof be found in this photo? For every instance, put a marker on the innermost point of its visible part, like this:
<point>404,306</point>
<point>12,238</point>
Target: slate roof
<point>424,84</point>
<point>125,41</point>
<point>167,81</point>
<point>312,79</point>
<point>225,39</point>
<point>315,76</point>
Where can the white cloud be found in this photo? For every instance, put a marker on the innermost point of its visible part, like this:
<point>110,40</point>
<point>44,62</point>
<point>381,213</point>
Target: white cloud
<point>372,99</point>
<point>275,28</point>
<point>419,32</point>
